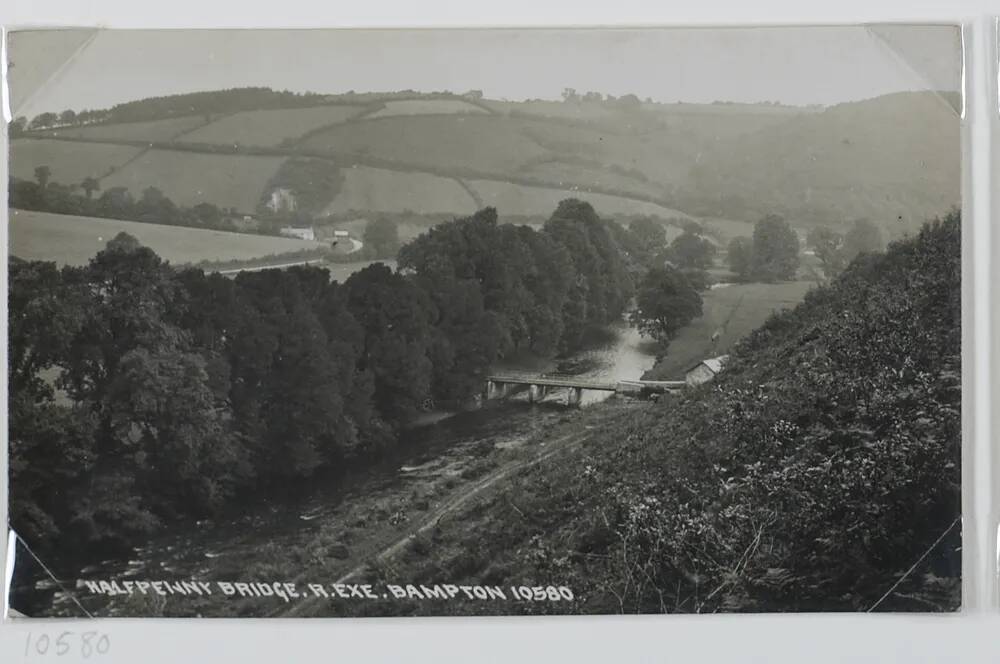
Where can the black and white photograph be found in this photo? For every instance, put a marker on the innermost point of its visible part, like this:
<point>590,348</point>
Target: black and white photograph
<point>461,322</point>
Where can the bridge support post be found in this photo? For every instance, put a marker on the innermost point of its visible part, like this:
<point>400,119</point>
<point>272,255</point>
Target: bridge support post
<point>573,396</point>
<point>536,393</point>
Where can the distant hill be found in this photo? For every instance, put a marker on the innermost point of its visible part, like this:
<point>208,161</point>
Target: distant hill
<point>894,159</point>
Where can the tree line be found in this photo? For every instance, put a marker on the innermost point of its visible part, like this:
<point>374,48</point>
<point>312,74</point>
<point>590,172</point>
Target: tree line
<point>142,393</point>
<point>152,206</point>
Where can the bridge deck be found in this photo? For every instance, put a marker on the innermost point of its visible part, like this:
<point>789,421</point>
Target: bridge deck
<point>553,381</point>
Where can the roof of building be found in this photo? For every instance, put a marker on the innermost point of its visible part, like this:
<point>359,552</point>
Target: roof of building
<point>715,364</point>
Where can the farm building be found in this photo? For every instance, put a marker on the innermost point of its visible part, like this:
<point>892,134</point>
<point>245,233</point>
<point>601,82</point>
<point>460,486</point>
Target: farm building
<point>705,370</point>
<point>341,233</point>
<point>302,233</point>
<point>282,200</point>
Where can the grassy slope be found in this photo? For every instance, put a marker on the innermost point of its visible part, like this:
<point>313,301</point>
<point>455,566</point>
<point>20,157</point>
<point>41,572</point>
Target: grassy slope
<point>810,475</point>
<point>270,127</point>
<point>190,178</point>
<point>70,162</point>
<point>733,311</point>
<point>71,240</point>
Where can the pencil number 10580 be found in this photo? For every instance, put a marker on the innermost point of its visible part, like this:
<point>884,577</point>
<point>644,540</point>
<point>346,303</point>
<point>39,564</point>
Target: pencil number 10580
<point>81,644</point>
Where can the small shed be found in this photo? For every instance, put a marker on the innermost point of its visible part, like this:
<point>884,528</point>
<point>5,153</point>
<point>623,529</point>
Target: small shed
<point>705,370</point>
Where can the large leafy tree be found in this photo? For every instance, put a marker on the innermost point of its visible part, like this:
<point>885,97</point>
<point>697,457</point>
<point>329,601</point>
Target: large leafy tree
<point>665,303</point>
<point>775,250</point>
<point>393,314</point>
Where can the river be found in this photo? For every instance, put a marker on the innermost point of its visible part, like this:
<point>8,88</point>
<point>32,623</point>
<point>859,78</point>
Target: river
<point>441,451</point>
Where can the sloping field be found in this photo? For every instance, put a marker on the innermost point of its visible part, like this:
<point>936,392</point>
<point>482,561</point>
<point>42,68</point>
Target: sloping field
<point>733,311</point>
<point>154,130</point>
<point>513,199</point>
<point>69,162</point>
<point>380,190</point>
<point>425,107</point>
<point>484,143</point>
<point>270,128</point>
<point>70,240</point>
<point>564,174</point>
<point>585,111</point>
<point>189,178</point>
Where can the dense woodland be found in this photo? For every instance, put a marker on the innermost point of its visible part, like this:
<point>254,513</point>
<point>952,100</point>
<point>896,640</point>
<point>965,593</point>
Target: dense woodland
<point>141,393</point>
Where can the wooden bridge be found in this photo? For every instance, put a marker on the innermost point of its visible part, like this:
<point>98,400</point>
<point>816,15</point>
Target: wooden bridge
<point>499,386</point>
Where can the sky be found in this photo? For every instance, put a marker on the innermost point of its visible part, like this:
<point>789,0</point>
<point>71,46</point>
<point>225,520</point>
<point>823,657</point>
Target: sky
<point>53,70</point>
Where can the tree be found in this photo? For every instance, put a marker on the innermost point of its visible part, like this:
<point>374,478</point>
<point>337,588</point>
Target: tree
<point>43,120</point>
<point>17,126</point>
<point>740,256</point>
<point>89,186</point>
<point>775,250</point>
<point>665,303</point>
<point>689,250</point>
<point>828,246</point>
<point>381,238</point>
<point>649,232</point>
<point>862,238</point>
<point>42,175</point>
<point>67,117</point>
<point>393,314</point>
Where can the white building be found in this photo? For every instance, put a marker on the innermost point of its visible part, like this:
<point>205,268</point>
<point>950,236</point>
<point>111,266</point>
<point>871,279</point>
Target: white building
<point>340,233</point>
<point>301,233</point>
<point>705,370</point>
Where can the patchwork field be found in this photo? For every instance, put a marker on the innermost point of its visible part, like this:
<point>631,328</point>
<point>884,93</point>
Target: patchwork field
<point>380,190</point>
<point>513,199</point>
<point>585,111</point>
<point>155,130</point>
<point>563,173</point>
<point>189,178</point>
<point>70,240</point>
<point>484,143</point>
<point>272,127</point>
<point>70,162</point>
<point>733,311</point>
<point>425,107</point>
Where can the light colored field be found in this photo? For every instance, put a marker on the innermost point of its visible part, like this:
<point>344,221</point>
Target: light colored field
<point>155,130</point>
<point>189,178</point>
<point>556,109</point>
<point>724,230</point>
<point>340,272</point>
<point>734,311</point>
<point>516,199</point>
<point>569,174</point>
<point>269,128</point>
<point>70,162</point>
<point>70,240</point>
<point>380,190</point>
<point>484,143</point>
<point>425,107</point>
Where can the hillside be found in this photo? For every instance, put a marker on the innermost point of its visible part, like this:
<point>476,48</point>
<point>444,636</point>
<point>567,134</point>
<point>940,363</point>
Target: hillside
<point>819,469</point>
<point>893,159</point>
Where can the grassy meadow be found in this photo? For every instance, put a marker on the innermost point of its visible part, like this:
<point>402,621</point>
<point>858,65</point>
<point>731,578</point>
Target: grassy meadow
<point>153,130</point>
<point>189,178</point>
<point>271,127</point>
<point>70,240</point>
<point>381,190</point>
<point>733,311</point>
<point>70,162</point>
